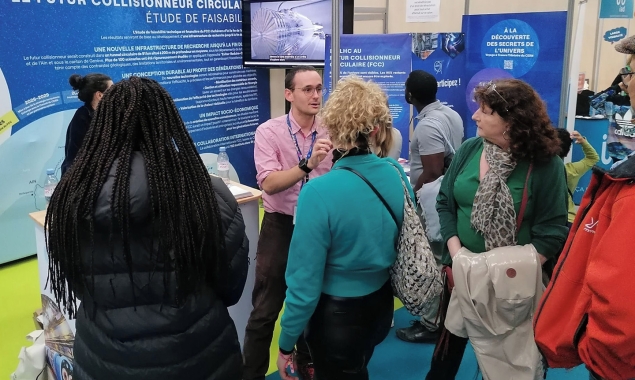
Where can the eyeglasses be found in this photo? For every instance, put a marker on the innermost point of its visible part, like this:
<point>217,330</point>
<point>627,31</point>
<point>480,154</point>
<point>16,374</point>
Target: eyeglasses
<point>624,71</point>
<point>492,88</point>
<point>309,91</point>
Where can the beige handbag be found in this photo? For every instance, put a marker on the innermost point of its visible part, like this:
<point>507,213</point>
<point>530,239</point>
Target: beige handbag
<point>494,298</point>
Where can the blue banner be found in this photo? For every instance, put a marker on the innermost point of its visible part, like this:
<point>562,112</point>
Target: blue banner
<point>596,133</point>
<point>616,8</point>
<point>386,60</point>
<point>192,47</point>
<point>516,46</point>
<point>443,55</point>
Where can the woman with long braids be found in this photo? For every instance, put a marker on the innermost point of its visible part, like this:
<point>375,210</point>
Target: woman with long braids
<point>154,249</point>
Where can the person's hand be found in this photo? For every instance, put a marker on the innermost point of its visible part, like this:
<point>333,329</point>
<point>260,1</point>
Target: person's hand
<point>577,137</point>
<point>283,362</point>
<point>626,80</point>
<point>321,149</point>
<point>630,90</point>
<point>543,259</point>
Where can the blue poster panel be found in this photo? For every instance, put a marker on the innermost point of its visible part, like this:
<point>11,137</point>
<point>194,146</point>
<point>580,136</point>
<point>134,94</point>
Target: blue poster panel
<point>597,133</point>
<point>386,60</point>
<point>516,46</point>
<point>443,55</point>
<point>192,47</point>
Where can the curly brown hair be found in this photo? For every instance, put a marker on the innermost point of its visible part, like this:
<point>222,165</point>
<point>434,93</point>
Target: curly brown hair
<point>531,135</point>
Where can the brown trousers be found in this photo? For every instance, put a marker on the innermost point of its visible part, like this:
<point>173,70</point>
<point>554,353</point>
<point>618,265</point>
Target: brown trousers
<point>268,296</point>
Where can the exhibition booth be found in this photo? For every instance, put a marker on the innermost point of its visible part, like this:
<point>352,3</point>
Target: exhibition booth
<point>223,62</point>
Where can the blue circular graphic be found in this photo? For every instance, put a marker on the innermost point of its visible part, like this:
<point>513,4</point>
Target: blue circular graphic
<point>482,77</point>
<point>511,45</point>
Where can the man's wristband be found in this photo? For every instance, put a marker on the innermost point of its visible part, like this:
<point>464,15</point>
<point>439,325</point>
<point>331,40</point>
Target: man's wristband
<point>285,352</point>
<point>304,165</point>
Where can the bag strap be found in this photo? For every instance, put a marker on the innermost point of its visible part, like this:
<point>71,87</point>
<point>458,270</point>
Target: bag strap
<point>523,203</point>
<point>373,189</point>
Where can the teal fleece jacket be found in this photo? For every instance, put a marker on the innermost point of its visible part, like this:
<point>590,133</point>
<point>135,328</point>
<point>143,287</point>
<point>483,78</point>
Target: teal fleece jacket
<point>344,238</point>
<point>546,211</point>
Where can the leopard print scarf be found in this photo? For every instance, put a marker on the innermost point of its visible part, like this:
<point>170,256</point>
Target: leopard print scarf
<point>493,214</point>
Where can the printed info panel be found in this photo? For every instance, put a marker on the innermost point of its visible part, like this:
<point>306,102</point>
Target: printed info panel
<point>517,46</point>
<point>192,47</point>
<point>382,58</point>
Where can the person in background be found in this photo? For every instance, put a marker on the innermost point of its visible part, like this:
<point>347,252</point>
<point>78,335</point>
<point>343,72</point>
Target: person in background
<point>625,46</point>
<point>153,248</point>
<point>387,142</point>
<point>575,170</point>
<point>437,135</point>
<point>289,150</point>
<point>586,314</point>
<point>90,89</point>
<point>339,294</point>
<point>481,193</point>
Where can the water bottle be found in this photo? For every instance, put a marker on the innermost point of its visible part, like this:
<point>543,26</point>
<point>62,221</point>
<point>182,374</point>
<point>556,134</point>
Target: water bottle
<point>49,185</point>
<point>223,165</point>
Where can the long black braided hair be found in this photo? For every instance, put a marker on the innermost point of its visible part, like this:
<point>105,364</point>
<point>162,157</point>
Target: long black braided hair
<point>136,114</point>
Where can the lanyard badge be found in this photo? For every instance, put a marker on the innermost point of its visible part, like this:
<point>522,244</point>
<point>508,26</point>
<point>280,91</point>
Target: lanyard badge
<point>298,150</point>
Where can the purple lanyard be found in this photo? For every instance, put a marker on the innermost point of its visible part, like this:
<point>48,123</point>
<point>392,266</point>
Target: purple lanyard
<point>297,146</point>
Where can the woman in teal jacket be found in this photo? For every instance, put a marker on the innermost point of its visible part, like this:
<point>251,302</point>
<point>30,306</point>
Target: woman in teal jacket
<point>339,294</point>
<point>482,192</point>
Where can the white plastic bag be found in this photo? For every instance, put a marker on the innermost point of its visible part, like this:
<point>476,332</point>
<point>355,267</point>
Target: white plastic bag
<point>427,196</point>
<point>32,363</point>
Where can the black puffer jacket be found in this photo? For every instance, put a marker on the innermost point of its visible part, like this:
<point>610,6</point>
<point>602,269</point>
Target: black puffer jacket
<point>122,338</point>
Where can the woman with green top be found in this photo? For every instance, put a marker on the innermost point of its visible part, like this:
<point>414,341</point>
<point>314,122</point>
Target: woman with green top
<point>482,191</point>
<point>575,170</point>
<point>339,294</point>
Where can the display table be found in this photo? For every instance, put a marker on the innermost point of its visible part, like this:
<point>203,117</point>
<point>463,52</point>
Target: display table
<point>60,330</point>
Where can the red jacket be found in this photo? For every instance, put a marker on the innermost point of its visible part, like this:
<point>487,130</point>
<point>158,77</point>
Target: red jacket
<point>587,313</point>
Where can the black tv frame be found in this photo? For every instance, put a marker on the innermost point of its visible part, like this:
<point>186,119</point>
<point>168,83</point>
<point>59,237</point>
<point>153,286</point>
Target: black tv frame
<point>348,14</point>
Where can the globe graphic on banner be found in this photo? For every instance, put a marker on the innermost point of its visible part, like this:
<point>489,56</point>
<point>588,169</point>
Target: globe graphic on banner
<point>482,77</point>
<point>511,45</point>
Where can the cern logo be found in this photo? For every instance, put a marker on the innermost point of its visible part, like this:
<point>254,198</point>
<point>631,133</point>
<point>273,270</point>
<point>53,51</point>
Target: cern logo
<point>438,67</point>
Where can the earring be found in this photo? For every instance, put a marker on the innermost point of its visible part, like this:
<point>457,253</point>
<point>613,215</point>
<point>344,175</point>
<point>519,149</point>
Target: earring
<point>504,137</point>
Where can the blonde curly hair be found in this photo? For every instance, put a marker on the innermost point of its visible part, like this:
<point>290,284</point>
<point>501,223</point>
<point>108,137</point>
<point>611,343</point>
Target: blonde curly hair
<point>353,110</point>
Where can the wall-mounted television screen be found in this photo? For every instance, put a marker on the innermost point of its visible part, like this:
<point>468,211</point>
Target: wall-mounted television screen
<point>289,33</point>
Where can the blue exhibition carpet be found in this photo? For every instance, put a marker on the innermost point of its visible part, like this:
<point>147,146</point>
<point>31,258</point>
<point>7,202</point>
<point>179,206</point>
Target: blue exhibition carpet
<point>394,359</point>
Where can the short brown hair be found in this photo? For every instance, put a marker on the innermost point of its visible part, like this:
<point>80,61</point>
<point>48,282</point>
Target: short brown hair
<point>531,134</point>
<point>290,76</point>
